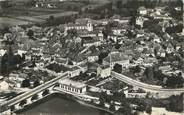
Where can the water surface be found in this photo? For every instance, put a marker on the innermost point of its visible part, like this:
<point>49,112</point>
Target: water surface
<point>60,105</point>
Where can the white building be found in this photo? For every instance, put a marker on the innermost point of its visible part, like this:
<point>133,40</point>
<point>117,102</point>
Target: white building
<point>72,86</point>
<point>163,111</point>
<point>140,21</point>
<point>88,26</point>
<point>142,11</point>
<point>93,57</point>
<point>3,84</point>
<point>104,71</point>
<point>75,71</point>
<point>95,42</point>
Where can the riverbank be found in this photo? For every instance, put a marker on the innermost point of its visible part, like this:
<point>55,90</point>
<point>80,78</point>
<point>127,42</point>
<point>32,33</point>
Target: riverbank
<point>68,98</point>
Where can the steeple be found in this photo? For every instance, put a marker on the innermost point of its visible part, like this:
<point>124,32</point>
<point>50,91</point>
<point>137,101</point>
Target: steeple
<point>89,25</point>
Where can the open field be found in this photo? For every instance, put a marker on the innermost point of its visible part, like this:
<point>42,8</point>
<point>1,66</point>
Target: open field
<point>56,15</point>
<point>6,22</point>
<point>30,19</point>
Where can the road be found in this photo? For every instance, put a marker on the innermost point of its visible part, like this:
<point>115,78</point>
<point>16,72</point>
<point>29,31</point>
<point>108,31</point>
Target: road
<point>147,87</point>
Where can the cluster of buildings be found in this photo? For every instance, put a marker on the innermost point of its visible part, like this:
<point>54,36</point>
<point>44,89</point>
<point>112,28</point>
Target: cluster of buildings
<point>73,45</point>
<point>97,46</point>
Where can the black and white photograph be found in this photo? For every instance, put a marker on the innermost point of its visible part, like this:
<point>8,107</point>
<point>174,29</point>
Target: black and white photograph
<point>91,57</point>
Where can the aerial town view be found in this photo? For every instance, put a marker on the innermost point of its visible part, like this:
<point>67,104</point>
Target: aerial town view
<point>91,57</point>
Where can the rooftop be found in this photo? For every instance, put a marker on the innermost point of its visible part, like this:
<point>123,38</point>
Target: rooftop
<point>116,57</point>
<point>72,83</point>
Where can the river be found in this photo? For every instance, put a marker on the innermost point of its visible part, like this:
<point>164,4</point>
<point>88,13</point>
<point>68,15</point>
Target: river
<point>60,105</point>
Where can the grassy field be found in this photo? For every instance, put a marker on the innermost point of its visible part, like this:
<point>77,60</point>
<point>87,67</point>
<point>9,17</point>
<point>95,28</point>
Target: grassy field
<point>30,19</point>
<point>6,22</point>
<point>56,15</point>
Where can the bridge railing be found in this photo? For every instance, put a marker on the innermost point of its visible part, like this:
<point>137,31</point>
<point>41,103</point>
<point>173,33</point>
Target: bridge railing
<point>33,91</point>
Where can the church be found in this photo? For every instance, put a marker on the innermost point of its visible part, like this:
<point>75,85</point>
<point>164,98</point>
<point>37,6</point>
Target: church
<point>80,26</point>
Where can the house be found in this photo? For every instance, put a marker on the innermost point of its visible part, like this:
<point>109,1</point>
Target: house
<point>93,57</point>
<point>136,95</point>
<point>77,40</point>
<point>104,71</point>
<point>92,68</point>
<point>118,30</point>
<point>162,17</point>
<point>179,45</point>
<point>148,52</point>
<point>119,58</point>
<point>37,31</point>
<point>114,50</point>
<point>157,39</point>
<point>72,86</point>
<point>163,111</point>
<point>112,37</point>
<point>142,11</point>
<point>3,84</point>
<point>103,21</point>
<point>86,33</point>
<point>120,20</point>
<point>79,60</point>
<point>161,52</point>
<point>170,48</point>
<point>139,61</point>
<point>91,42</point>
<point>2,52</point>
<point>165,68</point>
<point>62,61</point>
<point>149,61</point>
<point>75,71</point>
<point>140,21</point>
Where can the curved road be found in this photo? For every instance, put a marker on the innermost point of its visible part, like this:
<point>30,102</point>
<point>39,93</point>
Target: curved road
<point>145,86</point>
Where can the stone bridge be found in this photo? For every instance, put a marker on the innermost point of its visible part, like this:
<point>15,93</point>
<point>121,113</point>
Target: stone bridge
<point>32,95</point>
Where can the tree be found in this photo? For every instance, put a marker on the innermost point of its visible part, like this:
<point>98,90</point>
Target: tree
<point>5,30</point>
<point>23,102</point>
<point>112,107</point>
<point>117,68</point>
<point>136,69</point>
<point>26,83</point>
<point>102,98</point>
<point>51,20</point>
<point>125,109</point>
<point>175,103</point>
<point>17,59</point>
<point>34,97</point>
<point>7,62</point>
<point>46,92</point>
<point>4,64</point>
<point>23,57</point>
<point>101,56</point>
<point>175,81</point>
<point>31,3</point>
<point>149,72</point>
<point>36,83</point>
<point>30,33</point>
<point>72,32</point>
<point>148,109</point>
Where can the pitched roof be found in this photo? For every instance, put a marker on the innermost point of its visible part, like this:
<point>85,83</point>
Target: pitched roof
<point>115,57</point>
<point>72,83</point>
